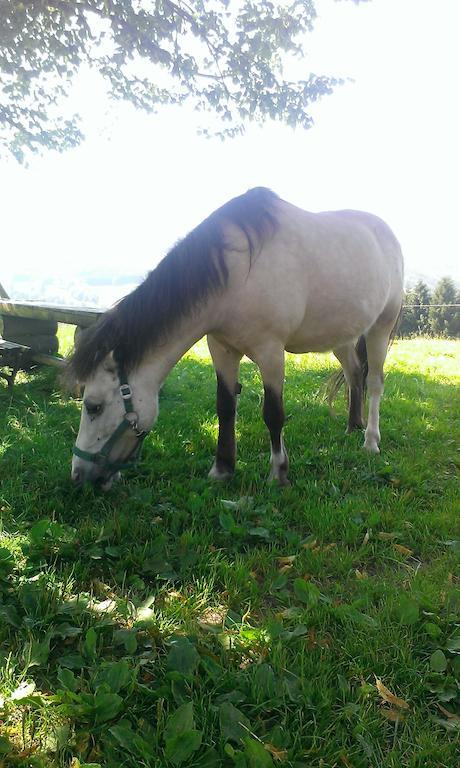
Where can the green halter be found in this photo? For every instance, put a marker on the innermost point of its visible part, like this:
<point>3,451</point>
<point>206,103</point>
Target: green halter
<point>101,458</point>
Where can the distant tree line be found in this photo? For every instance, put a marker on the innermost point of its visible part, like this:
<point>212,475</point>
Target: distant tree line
<point>428,312</point>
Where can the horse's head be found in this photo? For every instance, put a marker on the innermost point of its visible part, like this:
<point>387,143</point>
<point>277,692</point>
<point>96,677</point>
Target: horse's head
<point>117,412</point>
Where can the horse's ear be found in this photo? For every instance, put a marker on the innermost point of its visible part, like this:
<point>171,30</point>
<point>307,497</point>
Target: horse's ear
<point>109,363</point>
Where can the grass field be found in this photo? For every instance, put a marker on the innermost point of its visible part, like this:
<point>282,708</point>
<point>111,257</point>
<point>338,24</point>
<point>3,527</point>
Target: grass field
<point>173,622</point>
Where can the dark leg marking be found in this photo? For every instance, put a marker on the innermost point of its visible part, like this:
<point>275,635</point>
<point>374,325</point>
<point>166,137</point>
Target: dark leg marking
<point>273,412</point>
<point>226,412</point>
<point>355,407</point>
<point>274,417</point>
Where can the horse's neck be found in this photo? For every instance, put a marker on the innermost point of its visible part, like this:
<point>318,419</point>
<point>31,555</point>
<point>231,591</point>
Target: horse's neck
<point>164,357</point>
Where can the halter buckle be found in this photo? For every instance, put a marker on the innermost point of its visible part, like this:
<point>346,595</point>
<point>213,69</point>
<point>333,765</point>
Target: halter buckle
<point>125,392</point>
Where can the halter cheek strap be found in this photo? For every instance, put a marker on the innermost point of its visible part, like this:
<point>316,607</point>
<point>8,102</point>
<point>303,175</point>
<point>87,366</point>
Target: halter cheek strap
<point>101,458</point>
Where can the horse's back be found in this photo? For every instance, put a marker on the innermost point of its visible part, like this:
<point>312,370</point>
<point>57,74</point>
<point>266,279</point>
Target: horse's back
<point>318,281</point>
<point>335,238</point>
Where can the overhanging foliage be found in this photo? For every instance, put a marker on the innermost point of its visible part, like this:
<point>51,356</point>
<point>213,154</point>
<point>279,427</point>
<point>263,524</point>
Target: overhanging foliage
<point>221,57</point>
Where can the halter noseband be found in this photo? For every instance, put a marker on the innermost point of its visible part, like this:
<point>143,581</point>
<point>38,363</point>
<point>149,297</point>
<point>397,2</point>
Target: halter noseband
<point>101,458</point>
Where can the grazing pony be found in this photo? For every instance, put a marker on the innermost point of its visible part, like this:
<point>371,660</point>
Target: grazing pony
<point>259,276</point>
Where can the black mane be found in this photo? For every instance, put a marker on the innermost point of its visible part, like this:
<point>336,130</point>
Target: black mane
<point>193,269</point>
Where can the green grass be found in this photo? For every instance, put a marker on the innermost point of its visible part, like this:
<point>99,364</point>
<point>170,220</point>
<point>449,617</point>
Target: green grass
<point>176,622</point>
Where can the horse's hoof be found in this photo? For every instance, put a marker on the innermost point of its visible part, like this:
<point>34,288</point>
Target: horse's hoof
<point>281,480</point>
<point>371,448</point>
<point>220,475</point>
<point>354,428</point>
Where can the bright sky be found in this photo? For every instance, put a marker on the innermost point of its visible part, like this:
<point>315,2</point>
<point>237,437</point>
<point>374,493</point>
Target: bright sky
<point>387,143</point>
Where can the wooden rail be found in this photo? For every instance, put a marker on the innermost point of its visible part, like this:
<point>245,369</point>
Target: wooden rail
<point>39,311</point>
<point>81,317</point>
<point>44,359</point>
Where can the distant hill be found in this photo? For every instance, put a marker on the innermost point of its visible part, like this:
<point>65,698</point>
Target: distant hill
<point>95,288</point>
<point>87,289</point>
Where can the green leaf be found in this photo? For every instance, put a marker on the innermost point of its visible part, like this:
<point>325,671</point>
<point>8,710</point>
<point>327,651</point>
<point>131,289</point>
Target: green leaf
<point>72,661</point>
<point>438,661</point>
<point>227,522</point>
<point>179,749</point>
<point>179,722</point>
<point>234,725</point>
<point>9,615</point>
<point>261,533</point>
<point>443,686</point>
<point>129,639</point>
<point>292,688</point>
<point>124,735</point>
<point>210,759</point>
<point>183,657</point>
<point>106,706</point>
<point>6,562</point>
<point>229,504</point>
<point>67,679</point>
<point>432,629</point>
<point>181,738</point>
<point>38,652</point>
<point>114,551</point>
<point>48,531</point>
<point>211,667</point>
<point>279,582</point>
<point>180,690</point>
<point>131,741</point>
<point>306,592</point>
<point>449,725</point>
<point>89,646</point>
<point>6,747</point>
<point>116,674</point>
<point>454,545</point>
<point>407,611</point>
<point>256,754</point>
<point>66,630</point>
<point>41,530</point>
<point>453,644</point>
<point>89,765</point>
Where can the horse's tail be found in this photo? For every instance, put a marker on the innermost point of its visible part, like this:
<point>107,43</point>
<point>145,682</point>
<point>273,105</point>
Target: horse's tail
<point>337,380</point>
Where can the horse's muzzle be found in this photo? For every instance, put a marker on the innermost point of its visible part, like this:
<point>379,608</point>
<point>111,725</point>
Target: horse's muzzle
<point>84,472</point>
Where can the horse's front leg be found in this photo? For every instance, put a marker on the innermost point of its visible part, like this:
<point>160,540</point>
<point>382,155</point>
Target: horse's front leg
<point>226,363</point>
<point>271,364</point>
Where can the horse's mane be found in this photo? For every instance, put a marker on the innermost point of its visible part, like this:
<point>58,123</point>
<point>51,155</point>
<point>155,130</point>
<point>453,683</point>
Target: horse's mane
<point>194,269</point>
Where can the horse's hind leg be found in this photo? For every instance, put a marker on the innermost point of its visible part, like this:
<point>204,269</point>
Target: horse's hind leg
<point>226,363</point>
<point>271,364</point>
<point>352,369</point>
<point>377,340</point>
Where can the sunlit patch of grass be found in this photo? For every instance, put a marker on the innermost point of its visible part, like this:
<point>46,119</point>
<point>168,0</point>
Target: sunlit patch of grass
<point>66,338</point>
<point>172,603</point>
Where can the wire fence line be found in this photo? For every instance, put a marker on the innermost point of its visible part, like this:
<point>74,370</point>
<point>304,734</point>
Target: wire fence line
<point>416,306</point>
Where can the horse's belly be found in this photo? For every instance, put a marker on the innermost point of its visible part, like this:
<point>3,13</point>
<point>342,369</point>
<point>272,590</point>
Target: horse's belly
<point>330,328</point>
<point>299,346</point>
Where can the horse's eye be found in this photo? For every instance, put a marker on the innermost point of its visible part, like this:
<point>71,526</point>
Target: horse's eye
<point>93,409</point>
